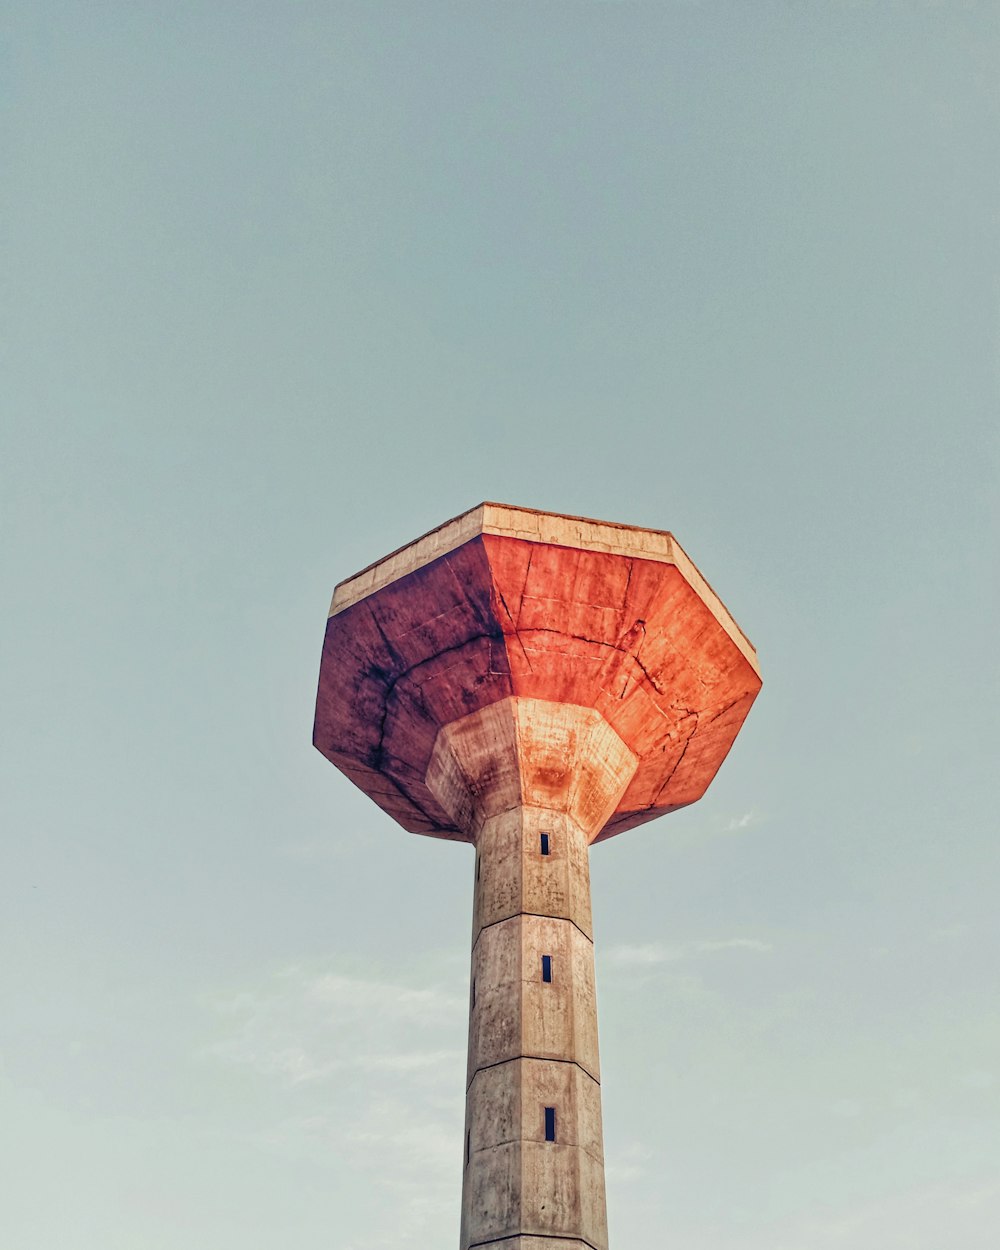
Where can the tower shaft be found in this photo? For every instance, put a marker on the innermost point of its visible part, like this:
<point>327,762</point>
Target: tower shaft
<point>532,782</point>
<point>534,1161</point>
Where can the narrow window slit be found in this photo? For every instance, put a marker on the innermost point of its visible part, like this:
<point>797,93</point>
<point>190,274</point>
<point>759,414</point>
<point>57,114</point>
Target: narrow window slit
<point>468,1147</point>
<point>546,967</point>
<point>473,991</point>
<point>550,1123</point>
<point>545,843</point>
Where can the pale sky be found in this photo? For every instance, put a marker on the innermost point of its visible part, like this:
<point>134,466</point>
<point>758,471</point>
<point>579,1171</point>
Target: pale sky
<point>286,286</point>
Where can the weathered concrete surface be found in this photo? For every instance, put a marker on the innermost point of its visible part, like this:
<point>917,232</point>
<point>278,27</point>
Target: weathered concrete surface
<point>532,1042</point>
<point>510,774</point>
<point>514,876</point>
<point>529,525</point>
<point>518,751</point>
<point>507,603</point>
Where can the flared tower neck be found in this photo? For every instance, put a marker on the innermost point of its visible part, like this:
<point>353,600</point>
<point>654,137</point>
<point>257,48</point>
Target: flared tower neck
<point>533,754</point>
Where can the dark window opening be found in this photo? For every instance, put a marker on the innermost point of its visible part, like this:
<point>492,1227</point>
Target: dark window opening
<point>545,844</point>
<point>468,1148</point>
<point>550,1123</point>
<point>546,967</point>
<point>473,991</point>
<point>479,864</point>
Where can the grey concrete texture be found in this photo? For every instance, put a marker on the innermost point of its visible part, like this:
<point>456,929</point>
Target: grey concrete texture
<point>516,1181</point>
<point>510,1099</point>
<point>514,877</point>
<point>515,1012</point>
<point>516,751</point>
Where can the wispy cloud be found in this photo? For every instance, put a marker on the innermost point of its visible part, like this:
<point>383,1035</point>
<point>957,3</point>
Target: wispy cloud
<point>629,1163</point>
<point>370,1072</point>
<point>735,944</point>
<point>303,1023</point>
<point>964,1212</point>
<point>408,1148</point>
<point>651,954</point>
<point>742,822</point>
<point>314,850</point>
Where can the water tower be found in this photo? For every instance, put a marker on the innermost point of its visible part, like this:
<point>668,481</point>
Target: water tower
<point>532,684</point>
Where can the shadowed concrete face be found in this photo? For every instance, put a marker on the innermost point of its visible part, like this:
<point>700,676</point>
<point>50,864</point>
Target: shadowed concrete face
<point>532,683</point>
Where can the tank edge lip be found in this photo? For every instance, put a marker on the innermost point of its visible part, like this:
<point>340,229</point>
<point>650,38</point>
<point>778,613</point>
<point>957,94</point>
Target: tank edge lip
<point>360,585</point>
<point>342,598</point>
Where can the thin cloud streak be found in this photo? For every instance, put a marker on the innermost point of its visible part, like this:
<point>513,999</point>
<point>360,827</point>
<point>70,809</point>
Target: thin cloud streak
<point>305,1025</point>
<point>315,1031</point>
<point>743,822</point>
<point>654,953</point>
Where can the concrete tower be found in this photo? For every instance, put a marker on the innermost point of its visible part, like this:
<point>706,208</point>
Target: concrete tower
<point>532,684</point>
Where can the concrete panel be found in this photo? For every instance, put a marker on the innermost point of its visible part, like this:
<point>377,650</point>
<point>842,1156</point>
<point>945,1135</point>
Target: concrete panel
<point>514,1011</point>
<point>593,1201</point>
<point>491,1195</point>
<point>550,1187</point>
<point>513,876</point>
<point>590,1126</point>
<point>499,851</point>
<point>553,1201</point>
<point>495,1015</point>
<point>584,1009</point>
<point>474,770</point>
<point>557,884</point>
<point>517,1012</point>
<point>547,1007</point>
<point>571,760</point>
<point>576,1098</point>
<point>559,1019</point>
<point>495,1106</point>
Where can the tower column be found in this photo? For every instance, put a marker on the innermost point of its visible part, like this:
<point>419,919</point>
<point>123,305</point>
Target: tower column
<point>534,1161</point>
<point>532,782</point>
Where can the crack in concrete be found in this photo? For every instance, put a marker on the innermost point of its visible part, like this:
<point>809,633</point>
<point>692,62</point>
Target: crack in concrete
<point>380,756</point>
<point>723,710</point>
<point>610,646</point>
<point>524,587</point>
<point>513,626</point>
<point>670,775</point>
<point>499,594</point>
